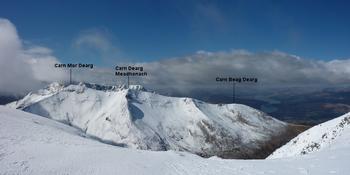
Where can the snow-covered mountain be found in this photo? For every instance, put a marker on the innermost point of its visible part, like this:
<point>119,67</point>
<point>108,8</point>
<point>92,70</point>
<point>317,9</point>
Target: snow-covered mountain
<point>331,134</point>
<point>136,118</point>
<point>34,145</point>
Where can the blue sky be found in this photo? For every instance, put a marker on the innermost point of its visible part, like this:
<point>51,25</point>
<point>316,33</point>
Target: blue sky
<point>151,30</point>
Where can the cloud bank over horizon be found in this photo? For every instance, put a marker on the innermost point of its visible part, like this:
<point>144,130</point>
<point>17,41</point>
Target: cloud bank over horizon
<point>271,68</point>
<point>24,68</point>
<point>197,72</point>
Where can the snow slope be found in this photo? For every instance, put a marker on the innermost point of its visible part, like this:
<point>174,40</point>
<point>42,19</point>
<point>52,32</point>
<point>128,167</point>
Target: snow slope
<point>332,134</point>
<point>137,118</point>
<point>34,145</point>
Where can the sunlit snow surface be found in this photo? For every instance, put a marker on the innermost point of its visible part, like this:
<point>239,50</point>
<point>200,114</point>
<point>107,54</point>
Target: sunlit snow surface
<point>30,144</point>
<point>137,118</point>
<point>333,134</point>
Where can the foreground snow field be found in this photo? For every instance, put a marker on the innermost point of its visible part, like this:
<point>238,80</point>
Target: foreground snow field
<point>31,144</point>
<point>136,118</point>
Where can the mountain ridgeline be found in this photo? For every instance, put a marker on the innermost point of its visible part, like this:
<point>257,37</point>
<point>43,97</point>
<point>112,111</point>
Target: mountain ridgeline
<point>136,118</point>
<point>333,134</point>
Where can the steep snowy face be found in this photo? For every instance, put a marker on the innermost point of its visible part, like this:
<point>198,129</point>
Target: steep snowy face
<point>328,135</point>
<point>140,119</point>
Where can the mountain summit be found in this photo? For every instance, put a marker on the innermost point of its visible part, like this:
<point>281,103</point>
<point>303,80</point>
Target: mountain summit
<point>136,118</point>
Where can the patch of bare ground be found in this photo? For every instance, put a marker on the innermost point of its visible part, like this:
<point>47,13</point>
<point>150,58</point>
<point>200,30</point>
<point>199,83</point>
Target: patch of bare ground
<point>228,147</point>
<point>278,140</point>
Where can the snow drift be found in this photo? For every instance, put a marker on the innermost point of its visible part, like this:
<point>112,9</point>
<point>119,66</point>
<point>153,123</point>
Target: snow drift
<point>136,118</point>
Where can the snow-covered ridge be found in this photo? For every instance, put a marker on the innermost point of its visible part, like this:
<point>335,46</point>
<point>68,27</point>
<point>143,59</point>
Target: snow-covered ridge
<point>323,136</point>
<point>136,118</point>
<point>56,87</point>
<point>112,88</point>
<point>32,98</point>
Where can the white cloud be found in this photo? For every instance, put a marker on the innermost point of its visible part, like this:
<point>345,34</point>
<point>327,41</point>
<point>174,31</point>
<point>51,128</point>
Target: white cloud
<point>197,72</point>
<point>97,43</point>
<point>208,16</point>
<point>23,69</point>
<point>38,50</point>
<point>95,39</point>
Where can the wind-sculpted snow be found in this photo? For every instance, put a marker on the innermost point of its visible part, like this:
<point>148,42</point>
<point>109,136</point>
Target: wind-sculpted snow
<point>325,135</point>
<point>137,118</point>
<point>34,145</point>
